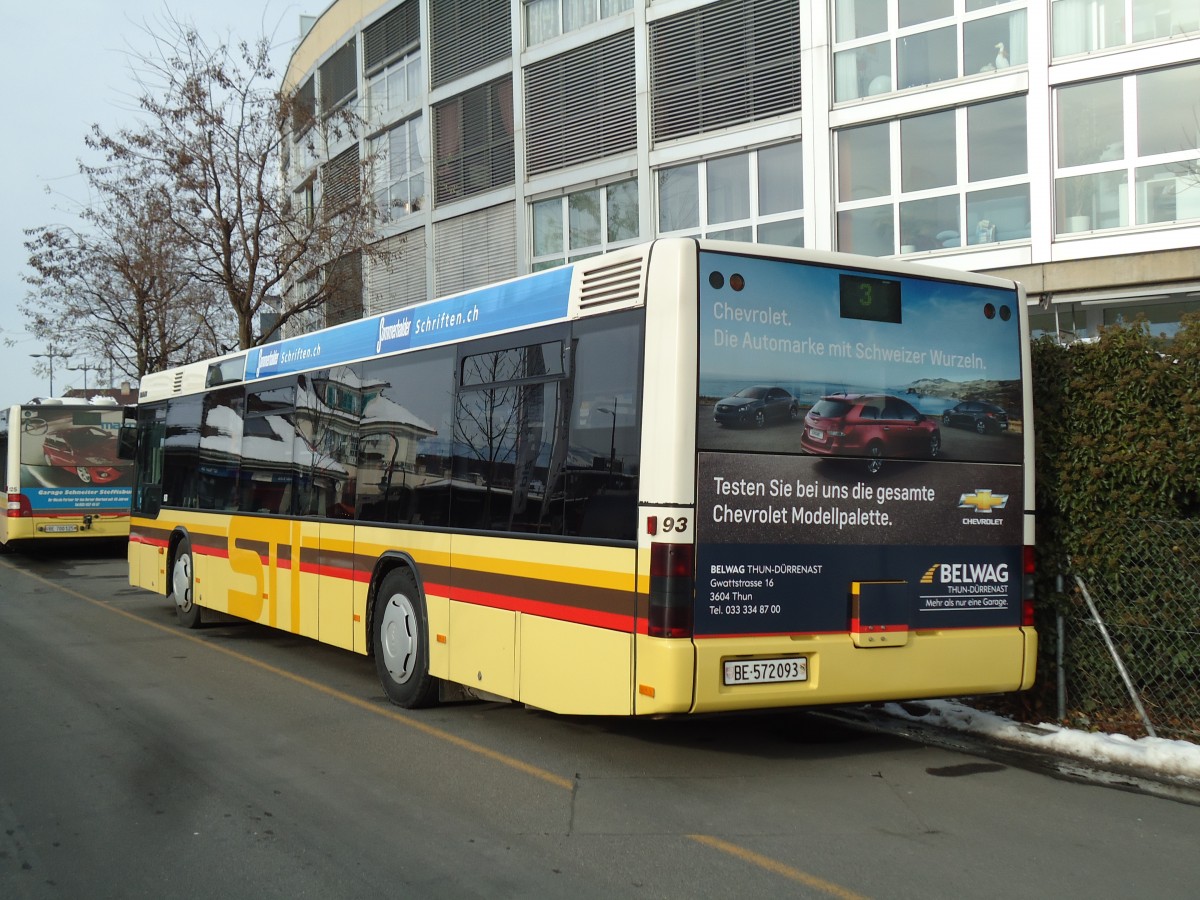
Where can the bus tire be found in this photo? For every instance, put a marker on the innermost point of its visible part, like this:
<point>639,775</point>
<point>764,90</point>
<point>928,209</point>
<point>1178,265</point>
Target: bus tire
<point>183,586</point>
<point>400,629</point>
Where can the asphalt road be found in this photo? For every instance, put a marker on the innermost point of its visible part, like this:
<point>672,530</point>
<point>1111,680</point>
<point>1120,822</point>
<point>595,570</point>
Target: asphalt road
<point>140,760</point>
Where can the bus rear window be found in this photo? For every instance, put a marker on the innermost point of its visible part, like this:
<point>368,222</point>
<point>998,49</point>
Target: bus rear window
<point>830,408</point>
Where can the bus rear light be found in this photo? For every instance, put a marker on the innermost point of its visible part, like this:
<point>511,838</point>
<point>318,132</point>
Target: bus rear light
<point>1028,569</point>
<point>672,590</point>
<point>18,507</point>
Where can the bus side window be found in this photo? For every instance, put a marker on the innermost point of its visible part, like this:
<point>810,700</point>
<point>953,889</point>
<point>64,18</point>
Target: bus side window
<point>506,430</point>
<point>401,468</point>
<point>151,437</point>
<point>181,445</point>
<point>601,475</point>
<point>220,449</point>
<point>268,429</point>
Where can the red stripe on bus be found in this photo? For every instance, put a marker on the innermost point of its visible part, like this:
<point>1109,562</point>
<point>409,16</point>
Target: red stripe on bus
<point>611,621</point>
<point>76,514</point>
<point>764,634</point>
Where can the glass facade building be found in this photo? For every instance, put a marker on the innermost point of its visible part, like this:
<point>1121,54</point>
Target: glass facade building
<point>1052,141</point>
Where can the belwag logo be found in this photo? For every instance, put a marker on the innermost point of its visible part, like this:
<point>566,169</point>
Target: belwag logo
<point>966,573</point>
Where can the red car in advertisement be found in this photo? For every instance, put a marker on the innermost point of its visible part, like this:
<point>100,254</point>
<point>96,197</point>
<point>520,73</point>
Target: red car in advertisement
<point>871,425</point>
<point>88,450</point>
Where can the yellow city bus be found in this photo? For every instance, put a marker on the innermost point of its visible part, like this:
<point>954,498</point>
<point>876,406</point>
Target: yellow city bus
<point>682,477</point>
<point>62,472</point>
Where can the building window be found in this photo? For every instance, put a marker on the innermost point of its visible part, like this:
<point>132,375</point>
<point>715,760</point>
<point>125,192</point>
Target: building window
<point>756,197</point>
<point>585,223</point>
<point>340,182</point>
<point>304,108</point>
<point>943,180</point>
<point>306,201</point>
<point>1083,26</point>
<point>567,94</point>
<point>392,63</point>
<point>473,142</point>
<point>338,78</point>
<point>727,63</point>
<point>467,35</point>
<point>395,87</point>
<point>344,284</point>
<point>1064,322</point>
<point>1162,319</point>
<point>880,48</point>
<point>399,168</point>
<point>545,19</point>
<point>1128,151</point>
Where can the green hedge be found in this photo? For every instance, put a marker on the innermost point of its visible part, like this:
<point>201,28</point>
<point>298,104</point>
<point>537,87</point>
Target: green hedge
<point>1117,426</point>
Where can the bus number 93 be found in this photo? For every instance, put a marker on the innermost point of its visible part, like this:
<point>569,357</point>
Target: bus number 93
<point>673,524</point>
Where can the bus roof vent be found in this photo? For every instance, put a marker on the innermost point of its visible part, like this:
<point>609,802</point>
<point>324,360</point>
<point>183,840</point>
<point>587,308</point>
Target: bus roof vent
<point>619,281</point>
<point>177,382</point>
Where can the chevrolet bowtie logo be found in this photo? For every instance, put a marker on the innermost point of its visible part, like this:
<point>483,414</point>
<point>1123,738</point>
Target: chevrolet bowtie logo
<point>982,501</point>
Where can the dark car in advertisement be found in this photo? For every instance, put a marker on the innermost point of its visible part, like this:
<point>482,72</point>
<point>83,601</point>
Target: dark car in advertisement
<point>981,417</point>
<point>757,405</point>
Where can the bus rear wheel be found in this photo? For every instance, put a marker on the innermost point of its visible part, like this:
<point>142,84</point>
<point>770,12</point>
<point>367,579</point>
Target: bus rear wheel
<point>400,628</point>
<point>182,586</point>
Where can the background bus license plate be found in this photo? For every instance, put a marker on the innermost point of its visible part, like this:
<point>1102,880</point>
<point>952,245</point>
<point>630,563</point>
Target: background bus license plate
<point>60,529</point>
<point>766,671</point>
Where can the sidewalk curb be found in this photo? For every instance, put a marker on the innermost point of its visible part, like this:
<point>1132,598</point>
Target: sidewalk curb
<point>921,723</point>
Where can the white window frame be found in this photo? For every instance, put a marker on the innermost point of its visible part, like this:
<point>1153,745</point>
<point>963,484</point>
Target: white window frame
<point>719,230</point>
<point>1130,198</point>
<point>573,254</point>
<point>960,19</point>
<point>969,234</point>
<point>400,203</point>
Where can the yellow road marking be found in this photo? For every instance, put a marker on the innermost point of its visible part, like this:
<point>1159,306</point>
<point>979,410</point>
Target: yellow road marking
<point>771,865</point>
<point>757,859</point>
<point>387,712</point>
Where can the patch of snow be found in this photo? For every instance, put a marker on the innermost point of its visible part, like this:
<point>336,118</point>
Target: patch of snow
<point>1164,757</point>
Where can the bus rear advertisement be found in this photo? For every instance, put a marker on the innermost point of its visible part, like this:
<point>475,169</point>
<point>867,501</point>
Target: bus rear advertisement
<point>63,474</point>
<point>683,477</point>
<point>870,486</point>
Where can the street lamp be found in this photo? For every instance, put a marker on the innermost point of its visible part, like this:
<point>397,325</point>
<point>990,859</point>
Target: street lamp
<point>612,444</point>
<point>85,368</point>
<point>50,353</point>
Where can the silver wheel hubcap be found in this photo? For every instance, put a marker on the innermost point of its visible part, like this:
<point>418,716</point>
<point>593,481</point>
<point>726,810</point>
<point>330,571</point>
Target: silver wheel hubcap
<point>398,637</point>
<point>181,582</point>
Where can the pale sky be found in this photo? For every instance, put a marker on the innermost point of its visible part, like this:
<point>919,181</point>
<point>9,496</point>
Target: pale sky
<point>66,64</point>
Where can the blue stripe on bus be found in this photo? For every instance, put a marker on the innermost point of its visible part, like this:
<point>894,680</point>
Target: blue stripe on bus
<point>527,301</point>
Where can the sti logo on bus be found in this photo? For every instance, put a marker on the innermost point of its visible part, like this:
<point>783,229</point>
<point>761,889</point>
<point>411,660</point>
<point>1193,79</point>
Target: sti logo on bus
<point>393,332</point>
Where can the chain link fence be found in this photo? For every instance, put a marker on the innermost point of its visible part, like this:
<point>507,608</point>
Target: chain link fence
<point>1129,655</point>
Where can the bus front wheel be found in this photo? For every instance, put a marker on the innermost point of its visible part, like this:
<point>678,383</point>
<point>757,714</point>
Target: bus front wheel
<point>182,586</point>
<point>401,642</point>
